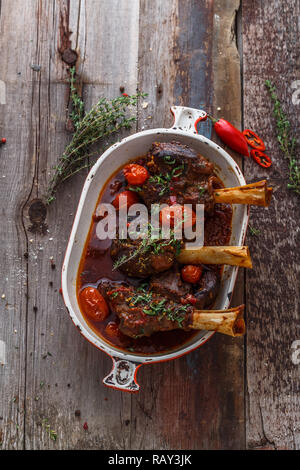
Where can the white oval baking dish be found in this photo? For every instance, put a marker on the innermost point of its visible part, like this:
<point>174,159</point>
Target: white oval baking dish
<point>125,365</point>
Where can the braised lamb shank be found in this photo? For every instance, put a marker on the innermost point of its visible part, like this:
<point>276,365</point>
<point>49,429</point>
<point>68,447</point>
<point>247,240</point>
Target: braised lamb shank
<point>142,313</point>
<point>178,170</point>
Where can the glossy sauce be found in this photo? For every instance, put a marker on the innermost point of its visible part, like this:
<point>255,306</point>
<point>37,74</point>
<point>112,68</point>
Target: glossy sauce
<point>96,265</point>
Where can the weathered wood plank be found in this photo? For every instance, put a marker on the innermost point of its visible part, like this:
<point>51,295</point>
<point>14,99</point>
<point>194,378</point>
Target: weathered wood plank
<point>71,376</point>
<point>173,45</point>
<point>271,51</point>
<point>17,170</point>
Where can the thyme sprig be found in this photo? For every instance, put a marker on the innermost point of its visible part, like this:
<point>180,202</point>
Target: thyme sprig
<point>150,243</point>
<point>156,307</point>
<point>287,142</point>
<point>51,432</point>
<point>254,232</point>
<point>105,118</point>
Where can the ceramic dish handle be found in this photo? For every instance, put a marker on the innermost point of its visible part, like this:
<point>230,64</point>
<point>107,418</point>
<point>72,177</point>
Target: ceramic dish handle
<point>123,375</point>
<point>186,119</point>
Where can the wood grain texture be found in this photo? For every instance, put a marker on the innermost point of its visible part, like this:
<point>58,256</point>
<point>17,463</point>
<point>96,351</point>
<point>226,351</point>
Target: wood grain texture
<point>161,49</point>
<point>180,52</point>
<point>17,170</point>
<point>54,371</point>
<point>271,51</point>
<point>64,372</point>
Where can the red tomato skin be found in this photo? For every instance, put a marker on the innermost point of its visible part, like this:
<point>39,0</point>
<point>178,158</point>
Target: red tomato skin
<point>93,304</point>
<point>189,299</point>
<point>191,273</point>
<point>176,210</point>
<point>135,174</point>
<point>112,329</point>
<point>132,198</point>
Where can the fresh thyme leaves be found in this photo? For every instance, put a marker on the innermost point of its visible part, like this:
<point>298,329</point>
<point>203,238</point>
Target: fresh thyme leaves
<point>169,160</point>
<point>201,191</point>
<point>155,308</point>
<point>143,287</point>
<point>254,232</point>
<point>160,180</point>
<point>51,432</point>
<point>141,298</point>
<point>166,178</point>
<point>105,118</point>
<point>115,294</point>
<point>171,242</point>
<point>77,113</point>
<point>123,259</point>
<point>137,189</point>
<point>150,244</point>
<point>158,308</point>
<point>150,312</point>
<point>176,172</point>
<point>286,141</point>
<point>177,314</point>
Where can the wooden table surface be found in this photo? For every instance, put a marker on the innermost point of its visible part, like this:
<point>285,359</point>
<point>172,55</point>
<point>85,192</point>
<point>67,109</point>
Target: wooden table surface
<point>216,54</point>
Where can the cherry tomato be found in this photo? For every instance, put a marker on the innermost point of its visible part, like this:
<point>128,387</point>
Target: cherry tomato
<point>112,329</point>
<point>93,304</point>
<point>172,214</point>
<point>191,273</point>
<point>132,198</point>
<point>135,174</point>
<point>188,299</point>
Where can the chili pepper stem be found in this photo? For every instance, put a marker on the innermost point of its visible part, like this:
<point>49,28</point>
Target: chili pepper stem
<point>214,120</point>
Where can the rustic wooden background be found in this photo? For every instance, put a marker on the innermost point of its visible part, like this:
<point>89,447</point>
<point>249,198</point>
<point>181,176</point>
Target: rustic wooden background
<point>229,394</point>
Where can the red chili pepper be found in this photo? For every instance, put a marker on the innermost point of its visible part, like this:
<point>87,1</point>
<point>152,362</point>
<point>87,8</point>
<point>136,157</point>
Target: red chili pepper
<point>231,136</point>
<point>125,94</point>
<point>261,158</point>
<point>253,140</point>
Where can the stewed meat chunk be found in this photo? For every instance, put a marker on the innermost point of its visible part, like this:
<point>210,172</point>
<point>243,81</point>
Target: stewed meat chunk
<point>201,294</point>
<point>170,284</point>
<point>176,170</point>
<point>167,155</point>
<point>144,313</point>
<point>139,258</point>
<point>207,289</point>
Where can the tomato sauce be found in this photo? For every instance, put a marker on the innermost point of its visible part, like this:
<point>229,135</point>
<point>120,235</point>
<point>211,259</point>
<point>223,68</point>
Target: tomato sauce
<point>96,265</point>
